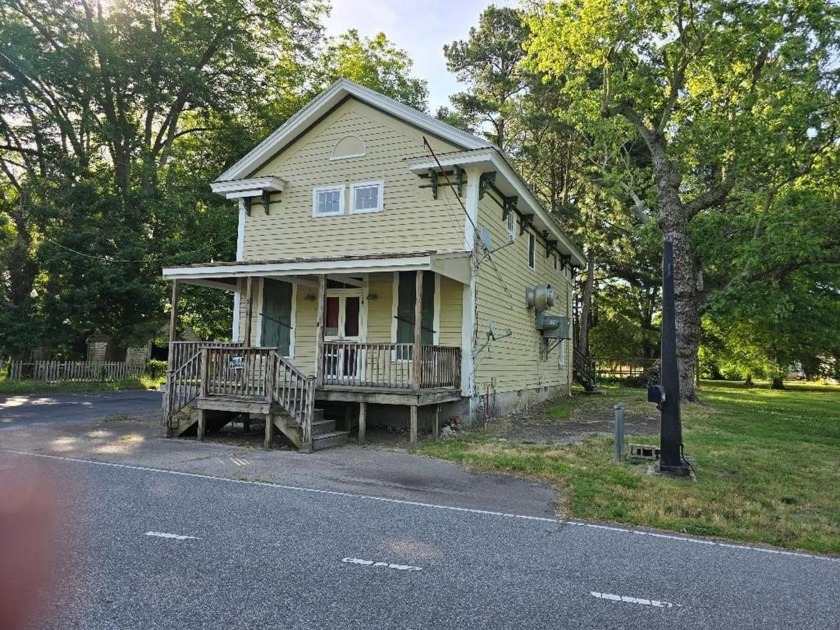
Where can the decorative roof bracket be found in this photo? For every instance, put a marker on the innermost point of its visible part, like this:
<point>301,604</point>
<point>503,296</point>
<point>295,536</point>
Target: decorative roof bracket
<point>508,206</point>
<point>485,182</point>
<point>527,221</point>
<point>550,246</point>
<point>564,261</point>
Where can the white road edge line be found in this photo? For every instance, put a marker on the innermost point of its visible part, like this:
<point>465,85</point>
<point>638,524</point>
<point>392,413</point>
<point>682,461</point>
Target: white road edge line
<point>173,536</point>
<point>543,519</point>
<point>632,600</point>
<point>374,563</point>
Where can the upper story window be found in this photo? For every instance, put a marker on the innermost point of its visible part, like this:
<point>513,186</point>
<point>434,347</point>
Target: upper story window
<point>532,251</point>
<point>328,201</point>
<point>511,226</point>
<point>366,197</point>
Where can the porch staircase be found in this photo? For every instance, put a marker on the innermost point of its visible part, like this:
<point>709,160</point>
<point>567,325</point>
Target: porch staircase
<point>208,385</point>
<point>584,370</point>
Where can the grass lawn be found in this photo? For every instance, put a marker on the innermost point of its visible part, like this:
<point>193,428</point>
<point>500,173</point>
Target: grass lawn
<point>767,463</point>
<point>23,388</point>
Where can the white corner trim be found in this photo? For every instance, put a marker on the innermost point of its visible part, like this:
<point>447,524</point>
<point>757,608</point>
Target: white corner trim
<point>471,205</point>
<point>436,313</point>
<point>259,310</point>
<point>240,232</point>
<point>468,336</point>
<point>237,304</point>
<point>293,321</point>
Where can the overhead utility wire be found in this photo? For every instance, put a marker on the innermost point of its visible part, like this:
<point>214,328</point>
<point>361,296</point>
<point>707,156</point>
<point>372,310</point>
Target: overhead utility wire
<point>143,260</point>
<point>469,218</point>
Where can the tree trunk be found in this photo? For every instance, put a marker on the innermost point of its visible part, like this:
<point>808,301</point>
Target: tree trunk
<point>674,227</point>
<point>778,383</point>
<point>586,306</point>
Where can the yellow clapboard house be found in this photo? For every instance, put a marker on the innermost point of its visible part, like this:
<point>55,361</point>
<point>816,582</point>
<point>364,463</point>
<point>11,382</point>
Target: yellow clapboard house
<point>388,265</point>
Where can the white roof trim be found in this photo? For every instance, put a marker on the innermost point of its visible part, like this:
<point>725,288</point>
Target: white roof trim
<point>491,159</point>
<point>456,267</point>
<point>322,104</point>
<point>459,158</point>
<point>253,187</point>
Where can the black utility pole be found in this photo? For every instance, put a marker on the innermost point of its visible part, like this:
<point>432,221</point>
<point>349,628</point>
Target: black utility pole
<point>670,439</point>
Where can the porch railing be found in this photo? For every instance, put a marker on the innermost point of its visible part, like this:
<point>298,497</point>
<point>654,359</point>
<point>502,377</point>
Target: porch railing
<point>259,375</point>
<point>183,375</point>
<point>389,365</point>
<point>182,387</point>
<point>237,372</point>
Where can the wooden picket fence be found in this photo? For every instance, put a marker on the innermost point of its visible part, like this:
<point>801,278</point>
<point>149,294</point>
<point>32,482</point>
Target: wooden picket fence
<point>74,371</point>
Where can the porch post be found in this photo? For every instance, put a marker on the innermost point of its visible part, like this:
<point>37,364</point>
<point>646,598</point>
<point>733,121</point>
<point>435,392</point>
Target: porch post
<point>249,307</point>
<point>173,314</point>
<point>319,348</point>
<point>418,330</point>
<point>362,421</point>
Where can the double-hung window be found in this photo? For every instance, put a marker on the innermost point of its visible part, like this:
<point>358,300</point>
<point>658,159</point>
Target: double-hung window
<point>532,251</point>
<point>366,197</point>
<point>511,226</point>
<point>328,201</point>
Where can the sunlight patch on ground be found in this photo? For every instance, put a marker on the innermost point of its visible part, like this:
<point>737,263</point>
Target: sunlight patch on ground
<point>64,444</point>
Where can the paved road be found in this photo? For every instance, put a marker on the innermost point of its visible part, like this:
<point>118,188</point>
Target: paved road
<point>19,411</point>
<point>257,555</point>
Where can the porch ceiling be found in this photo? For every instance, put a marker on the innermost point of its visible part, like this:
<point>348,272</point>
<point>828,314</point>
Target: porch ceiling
<point>454,265</point>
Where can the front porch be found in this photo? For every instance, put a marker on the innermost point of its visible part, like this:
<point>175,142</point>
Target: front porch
<point>273,372</point>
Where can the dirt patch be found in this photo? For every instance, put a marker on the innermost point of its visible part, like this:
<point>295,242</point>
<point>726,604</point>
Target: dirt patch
<point>572,421</point>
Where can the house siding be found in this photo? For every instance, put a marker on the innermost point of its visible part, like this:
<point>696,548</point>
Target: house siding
<point>513,364</point>
<point>379,314</point>
<point>411,220</point>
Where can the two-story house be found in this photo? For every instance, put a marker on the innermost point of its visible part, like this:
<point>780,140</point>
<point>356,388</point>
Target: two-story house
<point>387,261</point>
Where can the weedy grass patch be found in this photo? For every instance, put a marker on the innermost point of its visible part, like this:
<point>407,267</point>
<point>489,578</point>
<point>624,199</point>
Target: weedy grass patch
<point>767,464</point>
<point>23,388</point>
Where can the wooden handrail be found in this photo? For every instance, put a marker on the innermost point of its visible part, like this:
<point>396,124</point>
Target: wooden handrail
<point>182,387</point>
<point>390,365</point>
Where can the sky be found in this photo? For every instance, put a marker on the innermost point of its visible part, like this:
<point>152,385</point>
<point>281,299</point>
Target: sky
<point>419,28</point>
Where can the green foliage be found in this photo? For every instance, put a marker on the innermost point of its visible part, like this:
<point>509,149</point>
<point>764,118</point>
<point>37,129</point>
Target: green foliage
<point>765,462</point>
<point>488,62</point>
<point>155,370</point>
<point>735,102</point>
<point>375,63</point>
<point>113,122</point>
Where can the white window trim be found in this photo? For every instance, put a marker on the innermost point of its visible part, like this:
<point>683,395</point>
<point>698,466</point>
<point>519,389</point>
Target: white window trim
<point>380,185</point>
<point>532,262</point>
<point>320,189</point>
<point>511,227</point>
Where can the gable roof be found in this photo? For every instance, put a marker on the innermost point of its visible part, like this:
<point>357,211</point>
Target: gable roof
<point>473,149</point>
<point>325,102</point>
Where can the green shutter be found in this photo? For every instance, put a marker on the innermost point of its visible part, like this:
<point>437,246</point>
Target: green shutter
<point>405,308</point>
<point>277,315</point>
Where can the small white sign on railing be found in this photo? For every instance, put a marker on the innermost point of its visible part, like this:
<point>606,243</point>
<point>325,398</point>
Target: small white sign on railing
<point>236,363</point>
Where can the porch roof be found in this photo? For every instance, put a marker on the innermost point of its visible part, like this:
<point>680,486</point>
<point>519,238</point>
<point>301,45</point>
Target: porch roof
<point>223,275</point>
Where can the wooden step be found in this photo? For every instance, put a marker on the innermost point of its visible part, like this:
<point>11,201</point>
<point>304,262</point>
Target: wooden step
<point>329,440</point>
<point>320,427</point>
<point>239,405</point>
